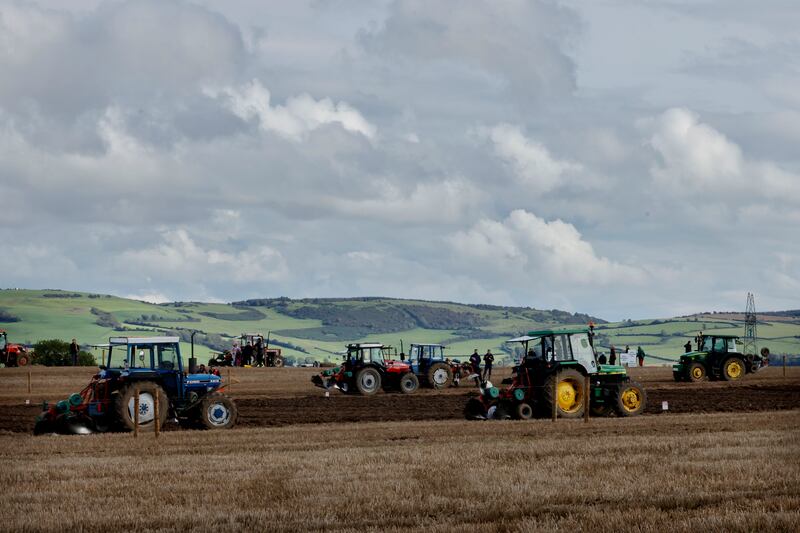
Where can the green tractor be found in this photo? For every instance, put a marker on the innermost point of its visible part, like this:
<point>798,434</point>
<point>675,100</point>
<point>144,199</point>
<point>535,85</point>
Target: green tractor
<point>553,370</point>
<point>718,357</point>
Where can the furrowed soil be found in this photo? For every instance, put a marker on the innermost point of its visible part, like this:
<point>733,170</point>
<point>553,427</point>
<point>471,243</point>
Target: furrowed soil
<point>281,397</point>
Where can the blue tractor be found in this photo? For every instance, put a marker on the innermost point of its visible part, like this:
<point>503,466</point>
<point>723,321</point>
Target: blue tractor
<point>154,367</point>
<point>429,364</point>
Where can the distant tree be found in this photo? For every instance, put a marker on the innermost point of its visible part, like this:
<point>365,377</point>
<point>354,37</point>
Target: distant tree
<point>55,352</point>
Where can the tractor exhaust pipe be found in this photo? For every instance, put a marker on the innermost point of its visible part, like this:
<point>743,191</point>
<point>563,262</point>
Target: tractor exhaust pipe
<point>192,359</point>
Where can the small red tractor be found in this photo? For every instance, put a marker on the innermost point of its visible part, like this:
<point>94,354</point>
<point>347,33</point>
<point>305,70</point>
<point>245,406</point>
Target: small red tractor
<point>367,368</point>
<point>12,354</point>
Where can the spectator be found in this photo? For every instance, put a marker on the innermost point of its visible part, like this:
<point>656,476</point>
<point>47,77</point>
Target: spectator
<point>247,354</point>
<point>640,355</point>
<point>475,362</point>
<point>201,369</point>
<point>612,356</point>
<point>687,347</point>
<point>73,352</point>
<point>488,361</point>
<point>259,349</point>
<point>236,352</point>
<point>601,359</point>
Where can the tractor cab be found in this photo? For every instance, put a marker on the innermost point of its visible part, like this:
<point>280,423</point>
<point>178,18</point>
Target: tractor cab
<point>547,348</point>
<point>428,363</point>
<point>376,354</point>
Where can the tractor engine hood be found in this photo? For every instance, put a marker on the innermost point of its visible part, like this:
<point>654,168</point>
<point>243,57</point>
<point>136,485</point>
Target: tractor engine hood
<point>398,366</point>
<point>208,382</point>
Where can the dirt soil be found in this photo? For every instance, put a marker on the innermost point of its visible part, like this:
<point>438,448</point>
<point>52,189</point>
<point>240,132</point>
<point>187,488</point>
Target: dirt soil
<point>269,398</point>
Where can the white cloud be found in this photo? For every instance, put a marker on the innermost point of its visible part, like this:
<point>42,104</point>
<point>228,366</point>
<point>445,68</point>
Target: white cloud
<point>179,256</point>
<point>297,118</point>
<point>529,159</point>
<point>695,157</point>
<point>440,201</point>
<point>540,251</point>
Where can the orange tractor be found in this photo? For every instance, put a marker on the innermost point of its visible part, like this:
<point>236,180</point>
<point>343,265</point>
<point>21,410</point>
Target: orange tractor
<point>12,354</point>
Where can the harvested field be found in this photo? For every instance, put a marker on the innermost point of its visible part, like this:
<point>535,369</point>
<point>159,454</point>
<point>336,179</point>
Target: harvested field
<point>280,397</point>
<point>659,473</point>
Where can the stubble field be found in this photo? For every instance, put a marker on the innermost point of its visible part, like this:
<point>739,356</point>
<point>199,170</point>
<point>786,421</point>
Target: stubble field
<point>723,458</point>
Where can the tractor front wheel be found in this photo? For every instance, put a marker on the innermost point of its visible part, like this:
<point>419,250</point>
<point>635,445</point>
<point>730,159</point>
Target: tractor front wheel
<point>368,381</point>
<point>22,359</point>
<point>439,375</point>
<point>408,383</point>
<point>278,362</point>
<point>568,394</point>
<point>630,400</point>
<point>124,405</point>
<point>217,411</point>
<point>733,369</point>
<point>697,372</point>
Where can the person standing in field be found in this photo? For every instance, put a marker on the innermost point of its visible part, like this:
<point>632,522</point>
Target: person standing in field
<point>247,354</point>
<point>640,355</point>
<point>688,346</point>
<point>475,361</point>
<point>612,356</point>
<point>488,361</point>
<point>236,353</point>
<point>259,353</point>
<point>73,352</point>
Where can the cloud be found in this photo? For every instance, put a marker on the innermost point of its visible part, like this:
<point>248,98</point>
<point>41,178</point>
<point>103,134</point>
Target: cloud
<point>537,252</point>
<point>180,256</point>
<point>695,157</point>
<point>297,118</point>
<point>531,162</point>
<point>519,42</point>
<point>149,297</point>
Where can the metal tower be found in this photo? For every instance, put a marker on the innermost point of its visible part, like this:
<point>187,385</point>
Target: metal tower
<point>750,335</point>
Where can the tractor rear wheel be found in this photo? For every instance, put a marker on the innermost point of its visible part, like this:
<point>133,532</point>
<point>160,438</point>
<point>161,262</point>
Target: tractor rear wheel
<point>124,404</point>
<point>630,399</point>
<point>733,369</point>
<point>408,383</point>
<point>524,411</point>
<point>439,375</point>
<point>697,372</point>
<point>569,393</point>
<point>474,410</point>
<point>368,381</point>
<point>217,411</point>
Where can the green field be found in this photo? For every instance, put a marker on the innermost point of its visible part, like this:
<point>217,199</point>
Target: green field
<point>315,329</point>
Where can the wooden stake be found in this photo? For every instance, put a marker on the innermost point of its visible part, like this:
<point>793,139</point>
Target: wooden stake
<point>157,420</point>
<point>555,396</point>
<point>784,365</point>
<point>587,399</point>
<point>230,382</point>
<point>29,382</point>
<point>136,413</point>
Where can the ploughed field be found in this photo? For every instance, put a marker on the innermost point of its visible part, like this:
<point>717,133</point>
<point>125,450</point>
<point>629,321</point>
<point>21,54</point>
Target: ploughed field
<point>281,397</point>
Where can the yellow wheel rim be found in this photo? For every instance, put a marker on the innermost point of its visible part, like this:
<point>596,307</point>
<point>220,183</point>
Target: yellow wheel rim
<point>735,369</point>
<point>697,372</point>
<point>631,399</point>
<point>569,396</point>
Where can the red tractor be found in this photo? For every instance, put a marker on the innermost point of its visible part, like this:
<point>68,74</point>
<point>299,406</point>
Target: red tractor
<point>366,369</point>
<point>12,354</point>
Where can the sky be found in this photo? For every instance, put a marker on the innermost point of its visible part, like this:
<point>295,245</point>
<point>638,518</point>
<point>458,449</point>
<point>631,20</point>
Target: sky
<point>624,158</point>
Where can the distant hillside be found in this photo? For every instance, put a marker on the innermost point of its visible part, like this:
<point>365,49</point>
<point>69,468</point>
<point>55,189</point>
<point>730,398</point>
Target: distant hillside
<point>317,328</point>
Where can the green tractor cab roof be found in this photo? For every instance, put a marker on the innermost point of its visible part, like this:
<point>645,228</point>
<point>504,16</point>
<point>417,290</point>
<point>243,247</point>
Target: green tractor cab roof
<point>721,335</point>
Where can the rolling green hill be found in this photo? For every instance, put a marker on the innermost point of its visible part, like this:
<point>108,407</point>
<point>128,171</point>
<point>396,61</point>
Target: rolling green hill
<point>314,329</point>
